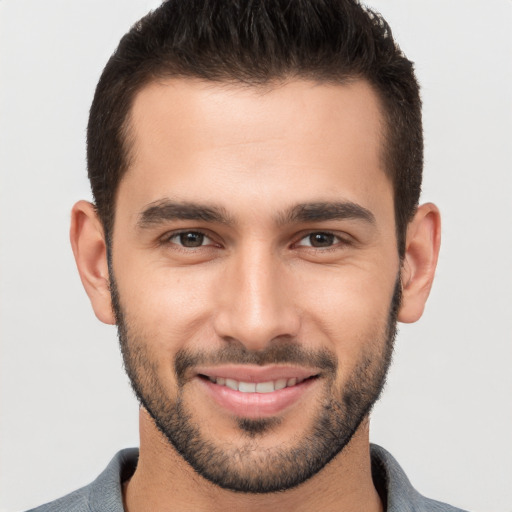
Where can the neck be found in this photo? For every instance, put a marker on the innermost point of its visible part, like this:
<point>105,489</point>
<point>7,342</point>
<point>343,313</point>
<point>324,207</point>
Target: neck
<point>164,481</point>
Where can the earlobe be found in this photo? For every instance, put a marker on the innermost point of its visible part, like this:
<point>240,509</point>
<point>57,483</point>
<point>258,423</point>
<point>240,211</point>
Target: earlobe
<point>90,250</point>
<point>420,261</point>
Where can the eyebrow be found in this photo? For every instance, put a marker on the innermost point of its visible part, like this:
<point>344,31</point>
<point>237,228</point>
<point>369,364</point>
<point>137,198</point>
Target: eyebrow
<point>166,210</point>
<point>322,211</point>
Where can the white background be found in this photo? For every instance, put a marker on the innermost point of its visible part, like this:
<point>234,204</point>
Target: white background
<point>66,406</point>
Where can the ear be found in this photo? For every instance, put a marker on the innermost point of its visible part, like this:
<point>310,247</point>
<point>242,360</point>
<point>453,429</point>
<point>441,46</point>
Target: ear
<point>419,265</point>
<point>90,250</point>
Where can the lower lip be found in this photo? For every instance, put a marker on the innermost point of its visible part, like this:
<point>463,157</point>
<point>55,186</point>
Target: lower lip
<point>255,405</point>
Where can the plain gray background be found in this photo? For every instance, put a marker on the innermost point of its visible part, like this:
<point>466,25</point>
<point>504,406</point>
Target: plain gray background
<point>66,406</point>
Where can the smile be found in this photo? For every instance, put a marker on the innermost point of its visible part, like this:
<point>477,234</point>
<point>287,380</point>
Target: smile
<point>255,392</point>
<point>256,387</point>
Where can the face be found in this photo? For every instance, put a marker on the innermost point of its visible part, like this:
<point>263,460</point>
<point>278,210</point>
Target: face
<point>255,273</point>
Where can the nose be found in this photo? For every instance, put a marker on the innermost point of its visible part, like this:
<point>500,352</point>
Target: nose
<point>254,302</point>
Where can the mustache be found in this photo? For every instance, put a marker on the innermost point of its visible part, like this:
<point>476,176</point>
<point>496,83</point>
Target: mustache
<point>275,353</point>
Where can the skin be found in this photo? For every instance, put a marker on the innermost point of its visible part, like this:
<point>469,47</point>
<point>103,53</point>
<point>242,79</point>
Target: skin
<point>255,154</point>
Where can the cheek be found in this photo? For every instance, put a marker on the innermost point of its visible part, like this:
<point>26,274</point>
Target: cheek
<point>164,307</point>
<point>348,308</point>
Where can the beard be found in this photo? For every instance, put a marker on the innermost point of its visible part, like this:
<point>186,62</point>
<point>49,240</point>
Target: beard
<point>248,467</point>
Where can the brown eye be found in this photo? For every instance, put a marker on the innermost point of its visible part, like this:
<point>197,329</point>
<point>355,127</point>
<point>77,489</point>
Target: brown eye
<point>321,239</point>
<point>190,239</point>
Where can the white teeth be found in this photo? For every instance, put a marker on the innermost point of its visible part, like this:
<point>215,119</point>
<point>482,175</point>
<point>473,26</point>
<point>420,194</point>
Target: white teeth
<point>265,387</point>
<point>280,384</point>
<point>253,387</point>
<point>247,387</point>
<point>232,384</point>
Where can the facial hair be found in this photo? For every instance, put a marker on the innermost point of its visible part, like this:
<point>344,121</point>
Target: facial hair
<point>245,468</point>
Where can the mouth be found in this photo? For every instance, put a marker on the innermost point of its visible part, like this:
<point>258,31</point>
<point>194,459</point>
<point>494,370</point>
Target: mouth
<point>255,392</point>
<point>256,387</point>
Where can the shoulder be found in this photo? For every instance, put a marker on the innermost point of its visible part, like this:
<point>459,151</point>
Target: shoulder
<point>396,489</point>
<point>102,495</point>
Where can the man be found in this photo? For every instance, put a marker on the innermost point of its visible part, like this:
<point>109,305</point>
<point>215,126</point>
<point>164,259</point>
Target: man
<point>256,235</point>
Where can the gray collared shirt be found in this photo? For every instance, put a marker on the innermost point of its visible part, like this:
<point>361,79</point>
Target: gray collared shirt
<point>105,493</point>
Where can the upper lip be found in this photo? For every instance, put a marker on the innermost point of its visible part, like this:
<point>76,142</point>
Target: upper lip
<point>254,373</point>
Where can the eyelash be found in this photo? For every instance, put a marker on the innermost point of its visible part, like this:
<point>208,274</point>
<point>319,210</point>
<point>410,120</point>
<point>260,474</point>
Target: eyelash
<point>339,240</point>
<point>167,239</point>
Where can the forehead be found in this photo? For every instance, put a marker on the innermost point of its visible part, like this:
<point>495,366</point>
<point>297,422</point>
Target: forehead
<point>285,142</point>
<point>194,110</point>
